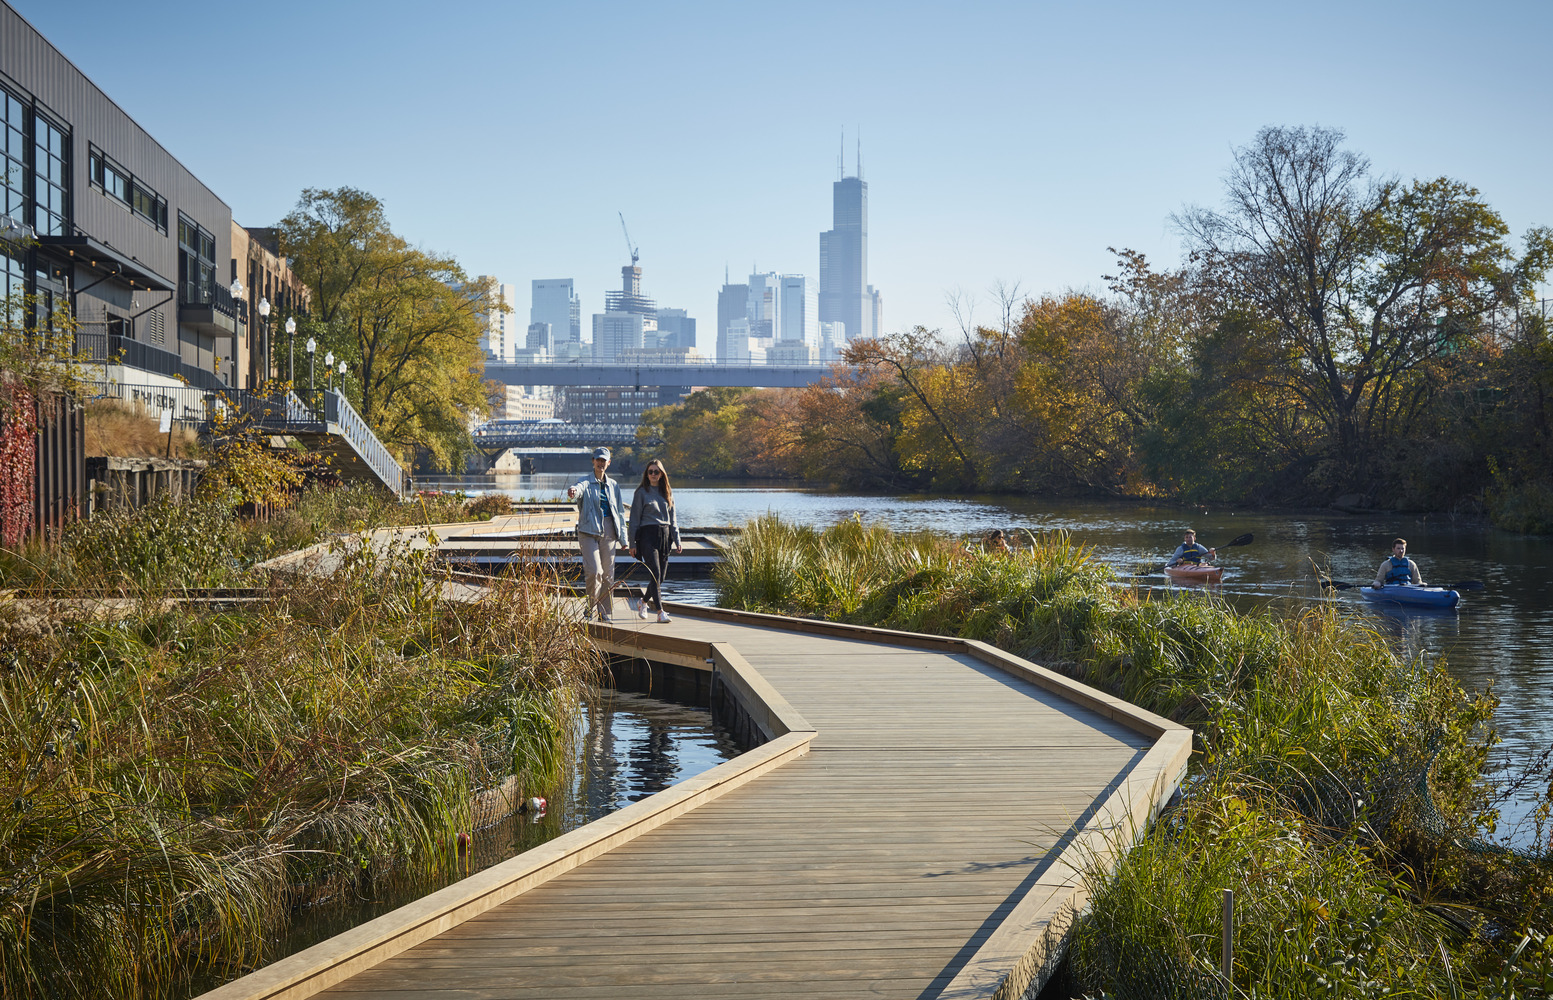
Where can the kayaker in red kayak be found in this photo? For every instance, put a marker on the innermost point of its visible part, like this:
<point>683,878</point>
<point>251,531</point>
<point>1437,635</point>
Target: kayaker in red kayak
<point>1398,568</point>
<point>1189,553</point>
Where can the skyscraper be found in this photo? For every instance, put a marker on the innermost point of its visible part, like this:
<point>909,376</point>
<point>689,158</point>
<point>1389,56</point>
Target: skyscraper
<point>500,337</point>
<point>555,302</point>
<point>676,330</point>
<point>799,310</point>
<point>845,295</point>
<point>629,319</point>
<point>765,305</point>
<point>732,304</point>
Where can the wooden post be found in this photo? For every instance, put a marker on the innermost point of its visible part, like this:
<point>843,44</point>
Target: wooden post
<point>1227,961</point>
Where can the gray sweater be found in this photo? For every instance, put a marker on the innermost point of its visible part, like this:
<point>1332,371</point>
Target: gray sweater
<point>650,507</point>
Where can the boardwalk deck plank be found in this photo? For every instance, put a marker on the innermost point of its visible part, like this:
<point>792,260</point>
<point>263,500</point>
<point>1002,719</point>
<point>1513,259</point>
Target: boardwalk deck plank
<point>930,808</point>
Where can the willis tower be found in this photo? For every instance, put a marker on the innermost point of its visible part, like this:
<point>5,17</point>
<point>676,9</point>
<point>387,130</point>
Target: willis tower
<point>845,295</point>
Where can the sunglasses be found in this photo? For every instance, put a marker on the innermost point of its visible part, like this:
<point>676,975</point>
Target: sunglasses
<point>655,472</point>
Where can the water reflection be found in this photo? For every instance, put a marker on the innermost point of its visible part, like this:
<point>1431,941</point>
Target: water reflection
<point>637,746</point>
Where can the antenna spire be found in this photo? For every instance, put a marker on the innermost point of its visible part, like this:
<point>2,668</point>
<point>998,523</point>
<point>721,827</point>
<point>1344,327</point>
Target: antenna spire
<point>860,152</point>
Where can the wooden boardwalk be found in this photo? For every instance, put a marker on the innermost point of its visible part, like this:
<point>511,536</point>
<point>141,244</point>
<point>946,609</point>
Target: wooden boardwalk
<point>910,831</point>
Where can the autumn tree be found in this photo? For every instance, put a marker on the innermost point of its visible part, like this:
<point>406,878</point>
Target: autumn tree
<point>406,321</point>
<point>845,429</point>
<point>941,400</point>
<point>1363,281</point>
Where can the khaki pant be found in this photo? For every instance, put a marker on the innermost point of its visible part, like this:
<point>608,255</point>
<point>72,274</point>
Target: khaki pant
<point>598,567</point>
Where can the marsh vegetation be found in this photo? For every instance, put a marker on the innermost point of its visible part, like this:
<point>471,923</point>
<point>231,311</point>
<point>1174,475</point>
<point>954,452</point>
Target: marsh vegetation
<point>180,777</point>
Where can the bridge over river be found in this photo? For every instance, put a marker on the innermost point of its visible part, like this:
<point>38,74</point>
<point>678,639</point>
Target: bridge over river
<point>634,374</point>
<point>910,825</point>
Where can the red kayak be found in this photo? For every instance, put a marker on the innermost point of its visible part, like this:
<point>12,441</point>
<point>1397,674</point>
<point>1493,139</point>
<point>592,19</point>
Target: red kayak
<point>1188,573</point>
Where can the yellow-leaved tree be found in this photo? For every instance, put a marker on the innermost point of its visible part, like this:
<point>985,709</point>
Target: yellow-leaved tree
<point>407,323</point>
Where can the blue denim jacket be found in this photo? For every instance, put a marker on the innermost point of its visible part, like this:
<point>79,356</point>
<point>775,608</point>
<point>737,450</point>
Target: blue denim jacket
<point>592,496</point>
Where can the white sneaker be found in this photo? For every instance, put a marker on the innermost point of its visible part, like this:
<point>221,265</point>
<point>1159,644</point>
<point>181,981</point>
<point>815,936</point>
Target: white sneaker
<point>642,612</point>
<point>663,616</point>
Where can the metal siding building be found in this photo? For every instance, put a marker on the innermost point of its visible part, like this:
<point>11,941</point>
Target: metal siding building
<point>115,254</point>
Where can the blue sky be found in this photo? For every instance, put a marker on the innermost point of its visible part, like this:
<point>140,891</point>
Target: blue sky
<point>1000,141</point>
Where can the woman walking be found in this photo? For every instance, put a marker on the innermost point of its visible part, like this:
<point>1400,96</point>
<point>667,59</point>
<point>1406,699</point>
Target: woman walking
<point>654,528</point>
<point>598,533</point>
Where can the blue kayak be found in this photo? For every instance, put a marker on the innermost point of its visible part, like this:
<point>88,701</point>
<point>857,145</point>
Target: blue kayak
<point>1407,593</point>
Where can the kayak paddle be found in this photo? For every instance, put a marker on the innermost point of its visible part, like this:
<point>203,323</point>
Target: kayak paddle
<point>1458,585</point>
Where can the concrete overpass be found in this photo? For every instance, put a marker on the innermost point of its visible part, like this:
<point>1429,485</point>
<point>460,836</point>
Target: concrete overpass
<point>611,373</point>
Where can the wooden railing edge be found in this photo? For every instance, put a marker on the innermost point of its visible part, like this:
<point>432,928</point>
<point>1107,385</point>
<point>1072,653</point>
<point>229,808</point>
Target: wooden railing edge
<point>1025,947</point>
<point>819,626</point>
<point>753,689</point>
<point>1116,709</point>
<point>1109,706</point>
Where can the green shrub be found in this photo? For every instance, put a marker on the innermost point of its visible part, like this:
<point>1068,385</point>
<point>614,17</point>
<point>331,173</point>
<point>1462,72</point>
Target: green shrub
<point>489,505</point>
<point>168,543</point>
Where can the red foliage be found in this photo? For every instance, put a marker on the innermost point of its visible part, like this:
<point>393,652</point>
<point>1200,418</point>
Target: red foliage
<point>18,456</point>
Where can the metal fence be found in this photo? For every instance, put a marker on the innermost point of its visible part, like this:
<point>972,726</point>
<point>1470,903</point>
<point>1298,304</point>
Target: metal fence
<point>539,434</point>
<point>193,407</point>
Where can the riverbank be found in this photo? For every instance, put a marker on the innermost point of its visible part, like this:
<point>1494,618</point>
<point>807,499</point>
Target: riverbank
<point>179,776</point>
<point>1340,789</point>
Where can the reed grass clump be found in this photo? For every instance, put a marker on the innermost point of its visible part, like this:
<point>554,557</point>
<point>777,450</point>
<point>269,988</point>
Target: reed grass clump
<point>177,782</point>
<point>322,512</point>
<point>175,543</point>
<point>1339,789</point>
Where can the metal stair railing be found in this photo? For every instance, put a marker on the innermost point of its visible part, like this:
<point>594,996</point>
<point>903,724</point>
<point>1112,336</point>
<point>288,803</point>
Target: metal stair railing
<point>340,415</point>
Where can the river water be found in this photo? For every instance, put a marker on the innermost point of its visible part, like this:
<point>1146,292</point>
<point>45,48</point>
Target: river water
<point>1498,637</point>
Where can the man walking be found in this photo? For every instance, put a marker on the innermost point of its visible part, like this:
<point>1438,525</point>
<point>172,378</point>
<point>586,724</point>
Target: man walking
<point>600,526</point>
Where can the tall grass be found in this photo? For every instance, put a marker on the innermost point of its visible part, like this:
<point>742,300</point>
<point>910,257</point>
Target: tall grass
<point>1339,789</point>
<point>175,782</point>
<point>175,543</point>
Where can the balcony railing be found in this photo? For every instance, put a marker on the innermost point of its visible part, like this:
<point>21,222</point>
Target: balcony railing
<point>108,348</point>
<point>211,308</point>
<point>195,407</point>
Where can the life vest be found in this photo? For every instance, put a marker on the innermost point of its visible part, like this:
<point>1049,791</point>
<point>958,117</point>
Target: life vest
<point>1401,571</point>
<point>1193,554</point>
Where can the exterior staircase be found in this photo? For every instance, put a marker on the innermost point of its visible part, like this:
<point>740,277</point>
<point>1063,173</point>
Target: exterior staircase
<point>341,433</point>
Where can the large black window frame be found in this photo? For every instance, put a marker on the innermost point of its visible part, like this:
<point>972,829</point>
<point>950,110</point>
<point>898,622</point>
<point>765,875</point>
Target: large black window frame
<point>196,263</point>
<point>50,176</point>
<point>107,176</point>
<point>34,166</point>
<point>13,156</point>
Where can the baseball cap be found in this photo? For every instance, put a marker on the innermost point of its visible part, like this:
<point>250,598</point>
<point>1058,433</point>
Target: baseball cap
<point>601,453</point>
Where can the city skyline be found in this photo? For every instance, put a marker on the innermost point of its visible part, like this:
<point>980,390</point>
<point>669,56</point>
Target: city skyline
<point>1012,142</point>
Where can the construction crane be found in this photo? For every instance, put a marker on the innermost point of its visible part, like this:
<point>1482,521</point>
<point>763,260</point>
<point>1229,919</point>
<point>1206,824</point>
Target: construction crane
<point>629,245</point>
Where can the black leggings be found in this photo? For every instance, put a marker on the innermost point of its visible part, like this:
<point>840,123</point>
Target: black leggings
<point>652,550</point>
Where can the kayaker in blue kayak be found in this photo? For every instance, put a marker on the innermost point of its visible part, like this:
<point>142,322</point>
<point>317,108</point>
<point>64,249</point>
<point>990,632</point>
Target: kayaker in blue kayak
<point>1398,568</point>
<point>1190,553</point>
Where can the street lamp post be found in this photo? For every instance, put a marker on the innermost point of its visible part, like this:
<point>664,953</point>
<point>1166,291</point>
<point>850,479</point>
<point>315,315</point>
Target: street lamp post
<point>291,350</point>
<point>237,313</point>
<point>264,337</point>
<point>312,345</point>
<point>329,367</point>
